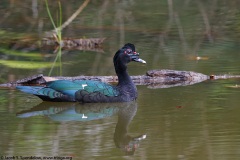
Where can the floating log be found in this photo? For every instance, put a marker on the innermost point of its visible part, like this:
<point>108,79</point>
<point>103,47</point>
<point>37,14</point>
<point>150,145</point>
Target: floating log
<point>153,78</point>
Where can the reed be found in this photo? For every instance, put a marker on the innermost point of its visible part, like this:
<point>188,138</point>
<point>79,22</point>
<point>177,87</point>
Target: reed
<point>57,36</point>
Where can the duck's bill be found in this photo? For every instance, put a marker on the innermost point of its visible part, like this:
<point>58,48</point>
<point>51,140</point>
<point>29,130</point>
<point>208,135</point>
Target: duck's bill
<point>135,57</point>
<point>139,60</point>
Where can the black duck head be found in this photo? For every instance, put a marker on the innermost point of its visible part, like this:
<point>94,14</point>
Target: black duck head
<point>127,54</point>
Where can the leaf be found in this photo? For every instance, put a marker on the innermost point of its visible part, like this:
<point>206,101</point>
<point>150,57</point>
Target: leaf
<point>233,86</point>
<point>22,54</point>
<point>26,64</point>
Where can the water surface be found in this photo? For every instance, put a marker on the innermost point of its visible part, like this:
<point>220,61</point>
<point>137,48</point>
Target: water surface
<point>187,122</point>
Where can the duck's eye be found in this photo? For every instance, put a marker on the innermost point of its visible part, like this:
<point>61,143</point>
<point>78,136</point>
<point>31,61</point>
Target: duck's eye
<point>129,51</point>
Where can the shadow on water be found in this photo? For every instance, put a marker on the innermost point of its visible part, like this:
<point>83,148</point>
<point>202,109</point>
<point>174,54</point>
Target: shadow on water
<point>63,112</point>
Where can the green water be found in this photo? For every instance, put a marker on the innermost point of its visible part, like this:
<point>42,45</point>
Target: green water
<point>187,122</point>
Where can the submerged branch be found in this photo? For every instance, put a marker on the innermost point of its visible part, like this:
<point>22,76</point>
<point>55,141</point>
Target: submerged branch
<point>89,44</point>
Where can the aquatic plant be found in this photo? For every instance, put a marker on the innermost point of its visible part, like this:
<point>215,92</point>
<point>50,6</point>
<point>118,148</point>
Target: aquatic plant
<point>57,36</point>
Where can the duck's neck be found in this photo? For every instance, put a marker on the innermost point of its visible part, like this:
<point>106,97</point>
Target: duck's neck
<point>123,77</point>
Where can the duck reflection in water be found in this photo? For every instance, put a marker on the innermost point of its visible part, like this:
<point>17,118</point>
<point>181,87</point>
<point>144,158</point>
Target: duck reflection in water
<point>63,112</point>
<point>122,140</point>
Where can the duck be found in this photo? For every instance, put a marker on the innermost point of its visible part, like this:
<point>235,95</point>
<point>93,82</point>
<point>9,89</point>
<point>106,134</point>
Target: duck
<point>91,91</point>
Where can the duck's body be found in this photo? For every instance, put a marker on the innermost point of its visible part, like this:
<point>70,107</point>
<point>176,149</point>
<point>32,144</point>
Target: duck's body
<point>89,91</point>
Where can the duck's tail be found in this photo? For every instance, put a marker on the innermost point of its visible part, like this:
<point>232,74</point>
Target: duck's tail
<point>31,89</point>
<point>46,94</point>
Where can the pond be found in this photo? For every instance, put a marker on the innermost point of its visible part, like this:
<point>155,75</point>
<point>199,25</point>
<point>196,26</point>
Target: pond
<point>199,121</point>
